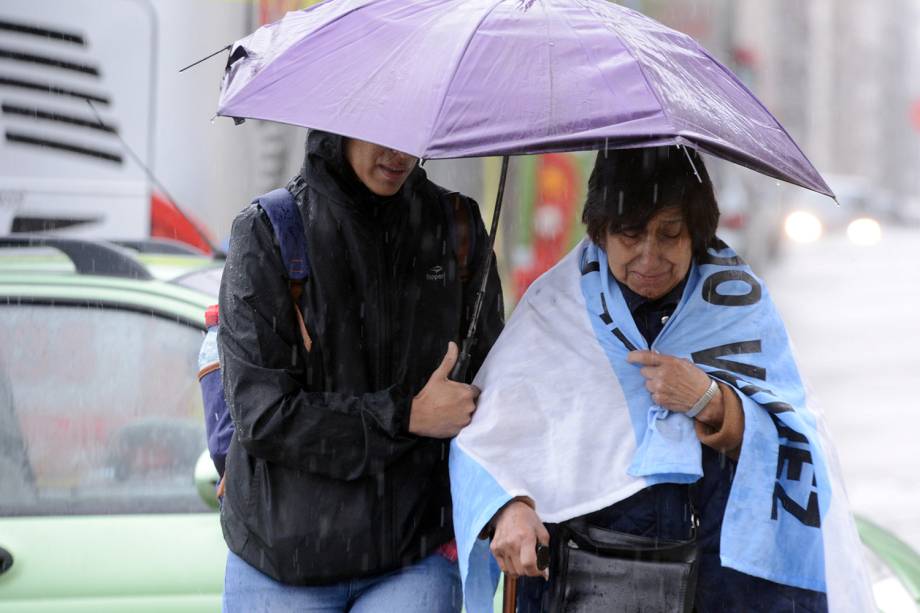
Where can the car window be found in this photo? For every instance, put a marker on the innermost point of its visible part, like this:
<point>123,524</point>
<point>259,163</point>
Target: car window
<point>99,412</point>
<point>206,280</point>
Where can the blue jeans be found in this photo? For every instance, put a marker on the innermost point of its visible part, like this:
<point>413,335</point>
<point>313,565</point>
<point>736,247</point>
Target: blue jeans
<point>431,585</point>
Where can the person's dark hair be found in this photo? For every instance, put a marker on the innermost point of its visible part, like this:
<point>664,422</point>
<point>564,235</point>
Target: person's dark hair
<point>630,186</point>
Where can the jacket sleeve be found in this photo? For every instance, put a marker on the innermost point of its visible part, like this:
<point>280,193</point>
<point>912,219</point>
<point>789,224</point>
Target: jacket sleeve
<point>492,316</point>
<point>339,435</point>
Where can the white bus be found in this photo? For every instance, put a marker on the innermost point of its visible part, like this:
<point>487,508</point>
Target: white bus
<point>99,129</point>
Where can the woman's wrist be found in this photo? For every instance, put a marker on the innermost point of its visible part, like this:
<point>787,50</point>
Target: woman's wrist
<point>522,499</point>
<point>714,411</point>
<point>489,529</point>
<point>705,399</point>
<point>724,432</point>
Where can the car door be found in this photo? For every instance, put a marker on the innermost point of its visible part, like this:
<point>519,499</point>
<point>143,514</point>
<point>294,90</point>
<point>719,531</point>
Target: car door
<point>100,430</point>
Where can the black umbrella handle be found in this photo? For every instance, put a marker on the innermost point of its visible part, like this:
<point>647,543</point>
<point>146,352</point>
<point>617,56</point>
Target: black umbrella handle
<point>462,365</point>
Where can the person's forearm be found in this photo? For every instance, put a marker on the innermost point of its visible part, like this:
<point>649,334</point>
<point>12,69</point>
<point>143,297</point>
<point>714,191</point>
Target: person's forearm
<point>336,435</point>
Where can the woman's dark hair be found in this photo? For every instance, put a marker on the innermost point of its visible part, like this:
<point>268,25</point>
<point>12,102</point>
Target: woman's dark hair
<point>630,186</point>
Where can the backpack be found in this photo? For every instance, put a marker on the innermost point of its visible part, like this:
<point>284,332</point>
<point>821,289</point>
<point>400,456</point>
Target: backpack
<point>283,213</point>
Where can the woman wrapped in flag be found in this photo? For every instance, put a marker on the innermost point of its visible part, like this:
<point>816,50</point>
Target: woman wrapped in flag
<point>642,416</point>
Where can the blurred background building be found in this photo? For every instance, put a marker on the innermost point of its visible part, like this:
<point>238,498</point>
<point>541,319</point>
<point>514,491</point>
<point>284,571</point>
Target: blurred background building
<point>842,76</point>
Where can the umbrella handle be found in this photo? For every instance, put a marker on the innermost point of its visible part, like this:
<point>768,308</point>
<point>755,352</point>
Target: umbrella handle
<point>462,365</point>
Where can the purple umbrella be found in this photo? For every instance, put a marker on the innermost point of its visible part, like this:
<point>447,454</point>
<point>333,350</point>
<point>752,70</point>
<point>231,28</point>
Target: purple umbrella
<point>463,78</point>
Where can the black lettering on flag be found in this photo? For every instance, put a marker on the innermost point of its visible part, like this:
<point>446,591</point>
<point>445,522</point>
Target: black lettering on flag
<point>792,459</point>
<point>712,357</point>
<point>809,515</point>
<point>607,319</point>
<point>713,281</point>
<point>605,316</point>
<point>749,389</point>
<point>622,337</point>
<point>718,260</point>
<point>777,407</point>
<point>729,377</point>
<point>590,267</point>
<point>788,433</point>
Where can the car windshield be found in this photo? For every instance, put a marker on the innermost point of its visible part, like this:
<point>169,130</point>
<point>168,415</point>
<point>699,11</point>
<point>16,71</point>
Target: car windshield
<point>99,412</point>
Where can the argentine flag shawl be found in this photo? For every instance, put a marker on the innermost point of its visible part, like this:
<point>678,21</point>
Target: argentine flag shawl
<point>564,419</point>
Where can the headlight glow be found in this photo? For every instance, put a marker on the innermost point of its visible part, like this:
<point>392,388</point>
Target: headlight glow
<point>864,231</point>
<point>803,227</point>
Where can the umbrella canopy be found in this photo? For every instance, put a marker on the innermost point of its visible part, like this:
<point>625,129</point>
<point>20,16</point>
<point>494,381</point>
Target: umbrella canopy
<point>462,78</point>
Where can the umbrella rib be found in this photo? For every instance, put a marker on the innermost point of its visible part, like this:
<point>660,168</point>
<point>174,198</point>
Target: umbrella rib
<point>456,67</point>
<point>248,85</point>
<point>744,88</point>
<point>641,70</point>
<point>733,77</point>
<point>603,76</point>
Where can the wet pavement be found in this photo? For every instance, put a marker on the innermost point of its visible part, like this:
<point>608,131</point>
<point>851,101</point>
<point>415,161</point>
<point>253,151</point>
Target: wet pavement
<point>853,313</point>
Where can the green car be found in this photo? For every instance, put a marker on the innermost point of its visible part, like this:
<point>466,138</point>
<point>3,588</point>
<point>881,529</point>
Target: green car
<point>106,488</point>
<point>101,429</point>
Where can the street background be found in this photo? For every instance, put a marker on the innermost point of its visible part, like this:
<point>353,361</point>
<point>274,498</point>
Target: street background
<point>851,312</point>
<point>843,76</point>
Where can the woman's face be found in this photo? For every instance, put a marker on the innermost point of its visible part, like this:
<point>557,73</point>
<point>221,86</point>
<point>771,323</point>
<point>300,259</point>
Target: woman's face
<point>382,170</point>
<point>652,260</point>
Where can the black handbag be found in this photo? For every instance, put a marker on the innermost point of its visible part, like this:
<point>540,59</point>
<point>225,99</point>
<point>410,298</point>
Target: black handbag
<point>599,570</point>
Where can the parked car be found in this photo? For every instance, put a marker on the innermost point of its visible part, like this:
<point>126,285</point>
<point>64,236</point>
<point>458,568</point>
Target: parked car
<point>101,429</point>
<point>106,488</point>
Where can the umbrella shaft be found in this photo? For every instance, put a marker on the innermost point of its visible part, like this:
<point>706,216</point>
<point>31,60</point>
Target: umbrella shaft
<point>487,263</point>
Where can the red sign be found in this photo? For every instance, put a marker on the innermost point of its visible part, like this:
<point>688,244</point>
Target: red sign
<point>553,216</point>
<point>915,114</point>
<point>273,10</point>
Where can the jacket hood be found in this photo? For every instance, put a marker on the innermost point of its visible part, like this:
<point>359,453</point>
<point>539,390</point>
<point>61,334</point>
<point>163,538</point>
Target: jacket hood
<point>326,169</point>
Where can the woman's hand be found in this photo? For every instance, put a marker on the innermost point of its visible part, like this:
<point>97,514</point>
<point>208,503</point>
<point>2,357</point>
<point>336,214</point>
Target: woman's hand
<point>675,384</point>
<point>518,529</point>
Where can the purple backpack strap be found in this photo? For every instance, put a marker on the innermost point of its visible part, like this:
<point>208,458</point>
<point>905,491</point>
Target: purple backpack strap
<point>283,212</point>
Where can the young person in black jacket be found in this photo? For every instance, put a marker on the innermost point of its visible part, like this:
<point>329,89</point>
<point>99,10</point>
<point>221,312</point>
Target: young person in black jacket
<point>336,492</point>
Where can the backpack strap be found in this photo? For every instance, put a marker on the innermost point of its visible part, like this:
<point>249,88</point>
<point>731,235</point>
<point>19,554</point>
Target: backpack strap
<point>282,211</point>
<point>287,224</point>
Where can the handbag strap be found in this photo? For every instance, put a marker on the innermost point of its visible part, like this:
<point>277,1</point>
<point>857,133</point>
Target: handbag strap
<point>607,542</point>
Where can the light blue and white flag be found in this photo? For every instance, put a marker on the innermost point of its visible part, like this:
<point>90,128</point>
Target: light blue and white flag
<point>564,419</point>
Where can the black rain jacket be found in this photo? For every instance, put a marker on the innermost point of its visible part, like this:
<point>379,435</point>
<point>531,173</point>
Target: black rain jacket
<point>323,480</point>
